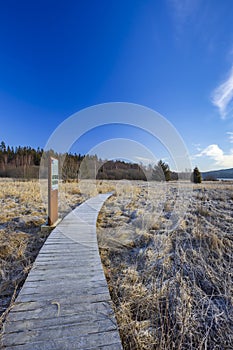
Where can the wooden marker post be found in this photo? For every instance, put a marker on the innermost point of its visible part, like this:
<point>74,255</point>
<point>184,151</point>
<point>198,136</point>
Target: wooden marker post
<point>52,191</point>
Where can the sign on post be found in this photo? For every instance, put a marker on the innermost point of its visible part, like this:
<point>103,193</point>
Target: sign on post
<point>52,191</point>
<point>54,174</point>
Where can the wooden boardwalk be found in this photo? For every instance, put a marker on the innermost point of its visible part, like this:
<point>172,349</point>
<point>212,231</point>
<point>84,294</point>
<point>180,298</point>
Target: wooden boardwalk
<point>65,303</point>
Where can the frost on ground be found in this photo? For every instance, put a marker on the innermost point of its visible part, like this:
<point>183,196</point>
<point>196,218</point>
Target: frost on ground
<point>170,277</point>
<point>21,215</point>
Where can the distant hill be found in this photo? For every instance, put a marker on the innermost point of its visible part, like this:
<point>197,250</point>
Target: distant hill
<point>216,174</point>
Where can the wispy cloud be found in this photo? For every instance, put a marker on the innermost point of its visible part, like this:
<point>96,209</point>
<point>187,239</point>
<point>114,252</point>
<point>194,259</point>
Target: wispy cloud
<point>215,153</point>
<point>230,133</point>
<point>223,95</point>
<point>197,146</point>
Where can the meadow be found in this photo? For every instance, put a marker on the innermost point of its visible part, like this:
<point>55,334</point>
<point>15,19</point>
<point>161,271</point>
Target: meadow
<point>166,250</point>
<point>170,277</point>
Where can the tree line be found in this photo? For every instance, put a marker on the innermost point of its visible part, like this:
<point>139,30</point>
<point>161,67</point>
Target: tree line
<point>19,161</point>
<point>24,162</point>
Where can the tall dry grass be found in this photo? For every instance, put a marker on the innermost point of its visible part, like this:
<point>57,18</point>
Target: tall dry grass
<point>22,212</point>
<point>171,289</point>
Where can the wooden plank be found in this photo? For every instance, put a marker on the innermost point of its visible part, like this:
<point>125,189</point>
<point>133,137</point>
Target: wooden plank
<point>68,344</point>
<point>87,336</point>
<point>43,274</point>
<point>41,325</point>
<point>25,298</point>
<point>65,302</point>
<point>87,342</point>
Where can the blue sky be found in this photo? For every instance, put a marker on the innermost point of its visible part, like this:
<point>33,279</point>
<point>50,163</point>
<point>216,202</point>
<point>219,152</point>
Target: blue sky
<point>174,56</point>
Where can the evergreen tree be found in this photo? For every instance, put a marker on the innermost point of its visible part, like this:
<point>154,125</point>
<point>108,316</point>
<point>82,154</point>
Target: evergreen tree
<point>196,176</point>
<point>161,172</point>
<point>3,147</point>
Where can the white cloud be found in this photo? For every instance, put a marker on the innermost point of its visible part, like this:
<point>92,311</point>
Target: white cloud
<point>197,146</point>
<point>223,95</point>
<point>230,133</point>
<point>215,153</point>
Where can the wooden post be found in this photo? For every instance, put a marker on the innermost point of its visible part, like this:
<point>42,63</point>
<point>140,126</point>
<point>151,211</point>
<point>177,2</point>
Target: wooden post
<point>52,191</point>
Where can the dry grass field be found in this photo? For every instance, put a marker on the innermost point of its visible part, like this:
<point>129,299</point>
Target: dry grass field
<point>172,289</point>
<point>21,215</point>
<point>167,252</point>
